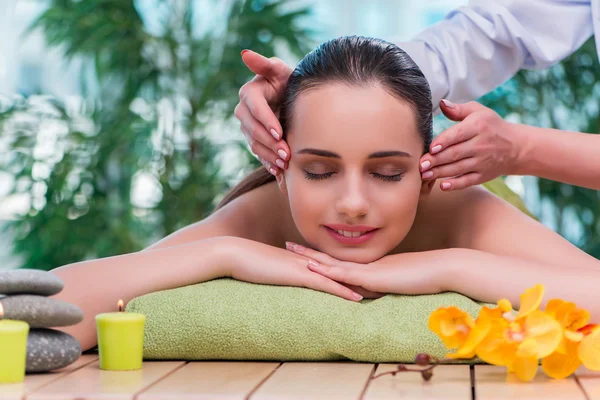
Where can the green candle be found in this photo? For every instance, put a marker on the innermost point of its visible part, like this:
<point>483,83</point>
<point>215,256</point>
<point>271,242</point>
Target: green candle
<point>13,349</point>
<point>120,340</point>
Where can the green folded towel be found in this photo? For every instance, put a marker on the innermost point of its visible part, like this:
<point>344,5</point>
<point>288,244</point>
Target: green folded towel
<point>225,319</point>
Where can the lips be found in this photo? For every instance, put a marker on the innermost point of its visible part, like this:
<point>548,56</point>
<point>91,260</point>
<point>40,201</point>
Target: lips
<point>351,234</point>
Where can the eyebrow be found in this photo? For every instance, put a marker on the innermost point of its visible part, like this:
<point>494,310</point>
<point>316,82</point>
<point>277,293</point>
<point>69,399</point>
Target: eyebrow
<point>330,154</point>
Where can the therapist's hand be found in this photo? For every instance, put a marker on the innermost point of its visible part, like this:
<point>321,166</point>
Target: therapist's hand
<point>258,109</point>
<point>481,147</point>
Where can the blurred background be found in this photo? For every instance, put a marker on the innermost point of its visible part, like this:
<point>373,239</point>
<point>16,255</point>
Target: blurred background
<point>116,116</point>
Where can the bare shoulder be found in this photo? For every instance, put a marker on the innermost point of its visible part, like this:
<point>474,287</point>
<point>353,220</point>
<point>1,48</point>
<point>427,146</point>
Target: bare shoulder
<point>464,215</point>
<point>251,216</point>
<point>257,214</point>
<point>475,218</point>
<point>441,218</point>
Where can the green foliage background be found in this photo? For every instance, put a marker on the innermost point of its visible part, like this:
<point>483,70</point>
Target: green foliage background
<point>565,96</point>
<point>152,98</point>
<point>155,98</point>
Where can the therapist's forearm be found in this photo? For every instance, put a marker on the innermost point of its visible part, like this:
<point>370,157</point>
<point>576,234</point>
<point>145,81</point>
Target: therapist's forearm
<point>569,157</point>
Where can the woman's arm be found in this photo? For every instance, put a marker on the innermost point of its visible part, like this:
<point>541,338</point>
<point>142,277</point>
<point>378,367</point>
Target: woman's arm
<point>190,255</point>
<point>497,251</point>
<point>569,157</point>
<point>230,243</point>
<point>97,285</point>
<point>490,277</point>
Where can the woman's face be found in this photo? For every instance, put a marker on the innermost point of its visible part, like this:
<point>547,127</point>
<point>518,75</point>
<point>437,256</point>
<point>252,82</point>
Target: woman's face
<point>353,180</point>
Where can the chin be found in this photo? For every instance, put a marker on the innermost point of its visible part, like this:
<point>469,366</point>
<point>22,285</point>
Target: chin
<point>356,255</point>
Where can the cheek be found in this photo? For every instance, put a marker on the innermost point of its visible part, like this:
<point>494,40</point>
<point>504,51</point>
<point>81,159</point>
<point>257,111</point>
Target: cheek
<point>308,201</point>
<point>398,206</point>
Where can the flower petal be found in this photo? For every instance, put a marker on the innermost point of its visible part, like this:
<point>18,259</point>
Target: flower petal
<point>545,330</point>
<point>573,336</point>
<point>577,318</point>
<point>530,300</point>
<point>451,324</point>
<point>525,368</point>
<point>476,335</point>
<point>553,306</point>
<point>496,350</point>
<point>559,366</point>
<point>528,348</point>
<point>504,305</point>
<point>589,350</point>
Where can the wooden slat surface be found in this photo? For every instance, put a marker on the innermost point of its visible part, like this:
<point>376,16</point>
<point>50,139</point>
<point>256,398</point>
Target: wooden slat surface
<point>323,380</point>
<point>448,382</point>
<point>211,380</point>
<point>493,382</point>
<point>268,380</point>
<point>90,382</point>
<point>35,381</point>
<point>589,382</point>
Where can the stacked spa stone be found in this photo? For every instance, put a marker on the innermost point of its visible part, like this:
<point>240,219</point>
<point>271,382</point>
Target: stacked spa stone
<point>24,296</point>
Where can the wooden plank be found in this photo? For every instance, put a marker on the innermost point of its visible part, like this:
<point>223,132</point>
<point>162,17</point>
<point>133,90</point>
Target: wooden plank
<point>91,382</point>
<point>211,380</point>
<point>310,380</point>
<point>448,382</point>
<point>589,382</point>
<point>17,391</point>
<point>492,382</point>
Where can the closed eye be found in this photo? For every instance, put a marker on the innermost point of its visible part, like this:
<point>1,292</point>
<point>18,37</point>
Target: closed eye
<point>389,178</point>
<point>385,178</point>
<point>317,177</point>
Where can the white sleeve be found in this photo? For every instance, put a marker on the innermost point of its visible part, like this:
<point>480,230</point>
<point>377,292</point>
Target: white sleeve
<point>480,46</point>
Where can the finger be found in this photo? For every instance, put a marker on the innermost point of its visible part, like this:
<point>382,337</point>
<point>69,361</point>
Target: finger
<point>258,133</point>
<point>337,273</point>
<point>458,112</point>
<point>257,63</point>
<point>319,282</point>
<point>454,135</point>
<point>310,253</point>
<point>462,182</point>
<point>262,112</point>
<point>461,167</point>
<point>449,155</point>
<point>272,69</point>
<point>366,294</point>
<point>261,152</point>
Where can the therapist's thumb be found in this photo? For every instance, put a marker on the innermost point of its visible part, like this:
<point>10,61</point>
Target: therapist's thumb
<point>458,112</point>
<point>257,63</point>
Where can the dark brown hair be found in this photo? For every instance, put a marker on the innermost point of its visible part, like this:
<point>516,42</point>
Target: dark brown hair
<point>355,61</point>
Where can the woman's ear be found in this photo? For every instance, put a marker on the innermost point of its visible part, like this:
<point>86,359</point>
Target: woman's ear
<point>280,177</point>
<point>426,187</point>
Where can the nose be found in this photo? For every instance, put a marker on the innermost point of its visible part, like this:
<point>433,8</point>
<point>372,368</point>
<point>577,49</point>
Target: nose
<point>352,200</point>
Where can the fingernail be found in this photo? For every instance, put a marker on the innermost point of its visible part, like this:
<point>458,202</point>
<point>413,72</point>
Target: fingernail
<point>313,264</point>
<point>446,185</point>
<point>448,103</point>
<point>275,134</point>
<point>425,165</point>
<point>280,163</point>
<point>427,174</point>
<point>289,245</point>
<point>357,297</point>
<point>282,154</point>
<point>273,171</point>
<point>436,149</point>
<point>243,51</point>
